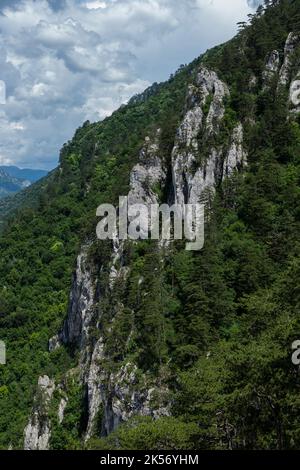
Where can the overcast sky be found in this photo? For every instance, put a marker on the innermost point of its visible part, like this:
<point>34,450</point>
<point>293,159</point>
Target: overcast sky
<point>66,61</point>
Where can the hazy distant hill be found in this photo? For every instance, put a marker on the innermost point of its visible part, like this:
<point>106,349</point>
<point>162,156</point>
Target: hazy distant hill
<point>10,185</point>
<point>14,179</point>
<point>24,173</point>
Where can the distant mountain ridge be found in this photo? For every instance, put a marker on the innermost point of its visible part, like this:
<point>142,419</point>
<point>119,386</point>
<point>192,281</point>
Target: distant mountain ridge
<point>24,173</point>
<point>14,179</point>
<point>10,185</point>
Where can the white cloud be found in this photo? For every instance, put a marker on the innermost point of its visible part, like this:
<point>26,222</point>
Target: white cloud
<point>95,5</point>
<point>65,61</point>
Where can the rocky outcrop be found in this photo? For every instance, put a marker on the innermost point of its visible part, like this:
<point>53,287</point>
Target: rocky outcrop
<point>103,389</point>
<point>195,175</point>
<point>94,386</point>
<point>288,75</point>
<point>127,397</point>
<point>37,432</point>
<point>271,67</point>
<point>147,178</point>
<point>115,270</point>
<point>122,395</point>
<point>115,397</point>
<point>61,409</point>
<point>81,304</point>
<point>292,42</point>
<point>294,96</point>
<point>54,343</point>
<point>148,174</point>
<point>76,330</point>
<point>198,165</point>
<point>236,158</point>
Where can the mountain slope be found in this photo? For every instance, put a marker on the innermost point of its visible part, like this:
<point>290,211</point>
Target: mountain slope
<point>26,198</point>
<point>155,347</point>
<point>16,190</point>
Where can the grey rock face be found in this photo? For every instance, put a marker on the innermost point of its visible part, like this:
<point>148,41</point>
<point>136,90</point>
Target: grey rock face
<point>123,397</point>
<point>128,401</point>
<point>126,392</point>
<point>294,96</point>
<point>286,77</point>
<point>81,303</point>
<point>119,395</point>
<point>292,42</point>
<point>61,410</point>
<point>146,179</point>
<point>193,181</point>
<point>54,343</point>
<point>79,320</point>
<point>271,67</point>
<point>37,433</point>
<point>147,174</point>
<point>236,158</point>
<point>117,251</point>
<point>103,390</point>
<point>202,184</point>
<point>94,386</point>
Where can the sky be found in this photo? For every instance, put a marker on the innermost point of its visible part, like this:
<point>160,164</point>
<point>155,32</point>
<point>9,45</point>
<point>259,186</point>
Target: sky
<point>67,61</point>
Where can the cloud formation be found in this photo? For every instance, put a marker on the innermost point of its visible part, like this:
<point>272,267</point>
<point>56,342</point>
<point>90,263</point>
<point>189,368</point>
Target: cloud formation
<point>68,61</point>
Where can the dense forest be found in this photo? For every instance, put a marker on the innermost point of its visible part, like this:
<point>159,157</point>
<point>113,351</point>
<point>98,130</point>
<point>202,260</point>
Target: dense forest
<point>210,331</point>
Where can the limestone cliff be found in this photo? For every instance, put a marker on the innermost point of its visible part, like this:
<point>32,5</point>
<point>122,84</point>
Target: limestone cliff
<point>199,162</point>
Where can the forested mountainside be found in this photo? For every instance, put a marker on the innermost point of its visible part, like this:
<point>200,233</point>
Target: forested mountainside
<point>26,198</point>
<point>19,188</point>
<point>134,346</point>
